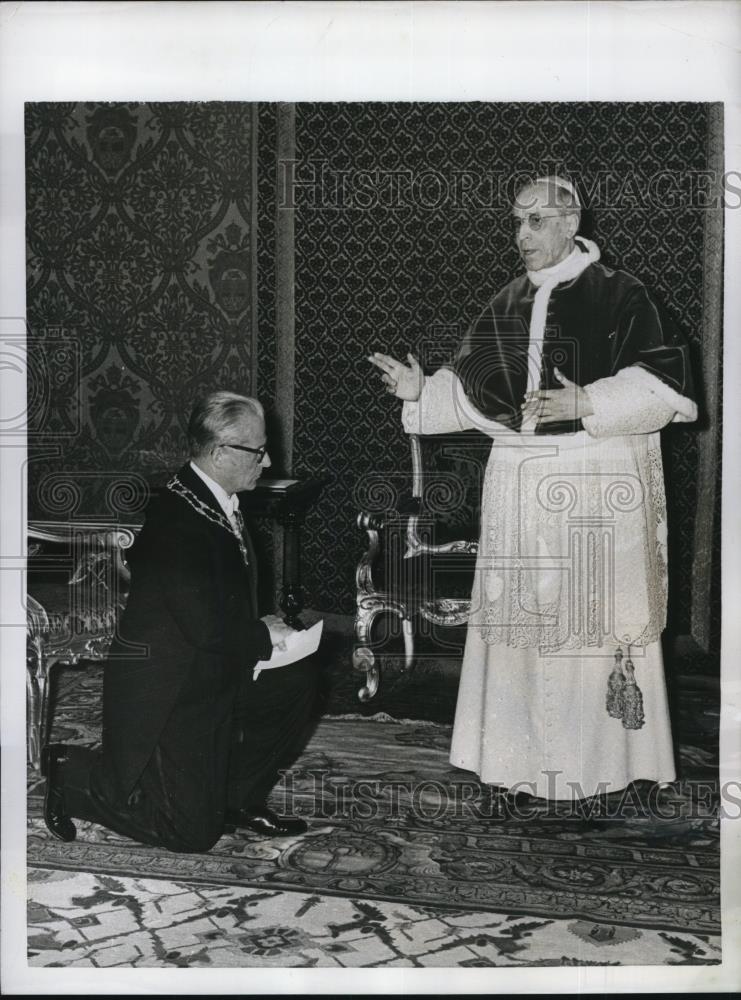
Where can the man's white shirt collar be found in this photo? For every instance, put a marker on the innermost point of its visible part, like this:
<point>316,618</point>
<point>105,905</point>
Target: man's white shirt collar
<point>227,503</point>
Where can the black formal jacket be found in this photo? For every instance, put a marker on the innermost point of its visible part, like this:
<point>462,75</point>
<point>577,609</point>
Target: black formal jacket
<point>597,324</point>
<point>189,631</point>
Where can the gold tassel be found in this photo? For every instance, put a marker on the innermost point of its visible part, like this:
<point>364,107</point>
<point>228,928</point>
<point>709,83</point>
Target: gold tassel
<point>616,687</point>
<point>633,717</point>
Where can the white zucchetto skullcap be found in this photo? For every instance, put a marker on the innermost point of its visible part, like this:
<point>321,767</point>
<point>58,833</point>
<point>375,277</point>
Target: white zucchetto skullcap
<point>562,183</point>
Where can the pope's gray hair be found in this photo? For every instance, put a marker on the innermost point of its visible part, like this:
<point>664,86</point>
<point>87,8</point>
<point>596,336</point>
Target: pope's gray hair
<point>216,413</point>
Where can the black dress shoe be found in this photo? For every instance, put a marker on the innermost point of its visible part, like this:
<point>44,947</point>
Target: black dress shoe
<point>57,821</point>
<point>263,821</point>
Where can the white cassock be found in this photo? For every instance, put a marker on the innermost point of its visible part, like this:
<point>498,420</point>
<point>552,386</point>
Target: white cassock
<point>571,571</point>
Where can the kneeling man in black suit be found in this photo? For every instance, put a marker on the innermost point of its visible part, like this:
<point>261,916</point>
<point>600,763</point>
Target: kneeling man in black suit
<point>192,744</point>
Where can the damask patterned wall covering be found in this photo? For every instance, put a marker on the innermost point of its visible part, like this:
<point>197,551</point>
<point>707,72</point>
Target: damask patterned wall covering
<point>141,290</point>
<point>402,235</point>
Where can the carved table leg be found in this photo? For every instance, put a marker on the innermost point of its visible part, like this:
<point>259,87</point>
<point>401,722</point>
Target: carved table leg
<point>292,599</point>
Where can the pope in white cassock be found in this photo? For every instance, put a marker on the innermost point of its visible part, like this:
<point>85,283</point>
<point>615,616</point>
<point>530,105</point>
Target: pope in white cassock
<point>572,372</point>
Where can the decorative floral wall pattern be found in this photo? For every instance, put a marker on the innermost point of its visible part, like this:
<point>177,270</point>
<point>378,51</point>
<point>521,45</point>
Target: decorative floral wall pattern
<point>141,260</point>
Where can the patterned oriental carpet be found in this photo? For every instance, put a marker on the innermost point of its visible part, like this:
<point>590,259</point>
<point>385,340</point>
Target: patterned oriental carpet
<point>391,820</point>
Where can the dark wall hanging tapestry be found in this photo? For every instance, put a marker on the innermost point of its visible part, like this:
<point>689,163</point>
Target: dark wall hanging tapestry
<point>141,290</point>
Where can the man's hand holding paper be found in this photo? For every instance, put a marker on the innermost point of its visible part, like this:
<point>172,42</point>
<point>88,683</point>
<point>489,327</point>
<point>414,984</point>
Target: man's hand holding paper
<point>279,631</point>
<point>291,645</point>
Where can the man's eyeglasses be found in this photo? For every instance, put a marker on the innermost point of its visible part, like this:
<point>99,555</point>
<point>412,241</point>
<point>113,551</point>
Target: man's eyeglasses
<point>536,219</point>
<point>261,452</point>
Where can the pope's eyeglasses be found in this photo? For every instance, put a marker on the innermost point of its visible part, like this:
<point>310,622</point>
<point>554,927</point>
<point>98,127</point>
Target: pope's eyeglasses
<point>535,220</point>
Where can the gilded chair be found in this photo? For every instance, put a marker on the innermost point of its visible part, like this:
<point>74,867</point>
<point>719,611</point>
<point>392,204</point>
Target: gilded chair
<point>77,584</point>
<point>422,544</point>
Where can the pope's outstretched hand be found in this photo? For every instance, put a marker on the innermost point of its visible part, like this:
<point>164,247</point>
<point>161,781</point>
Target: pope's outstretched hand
<point>402,381</point>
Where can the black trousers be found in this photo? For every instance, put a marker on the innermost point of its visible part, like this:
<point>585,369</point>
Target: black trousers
<point>209,758</point>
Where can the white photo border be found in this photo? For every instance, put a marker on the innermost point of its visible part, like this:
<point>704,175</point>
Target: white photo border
<point>505,51</point>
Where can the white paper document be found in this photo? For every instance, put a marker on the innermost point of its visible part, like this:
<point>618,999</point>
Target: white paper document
<point>297,646</point>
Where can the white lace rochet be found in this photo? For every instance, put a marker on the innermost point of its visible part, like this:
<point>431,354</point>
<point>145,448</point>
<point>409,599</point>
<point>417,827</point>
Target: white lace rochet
<point>573,527</point>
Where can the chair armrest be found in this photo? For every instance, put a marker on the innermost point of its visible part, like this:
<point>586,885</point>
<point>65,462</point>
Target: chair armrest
<point>417,547</point>
<point>81,584</point>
